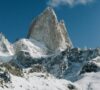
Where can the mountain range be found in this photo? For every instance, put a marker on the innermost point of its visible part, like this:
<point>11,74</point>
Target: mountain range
<point>47,60</point>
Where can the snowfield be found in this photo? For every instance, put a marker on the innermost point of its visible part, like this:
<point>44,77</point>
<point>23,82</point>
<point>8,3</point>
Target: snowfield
<point>39,81</point>
<point>89,81</point>
<point>46,60</point>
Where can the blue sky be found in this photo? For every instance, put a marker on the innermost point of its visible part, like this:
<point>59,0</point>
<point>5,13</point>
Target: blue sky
<point>82,19</point>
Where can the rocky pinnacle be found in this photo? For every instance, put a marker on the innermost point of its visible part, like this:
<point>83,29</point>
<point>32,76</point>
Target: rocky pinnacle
<point>47,29</point>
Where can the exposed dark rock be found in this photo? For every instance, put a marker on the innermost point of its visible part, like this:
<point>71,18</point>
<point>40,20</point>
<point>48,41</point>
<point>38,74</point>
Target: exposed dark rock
<point>71,87</point>
<point>90,67</point>
<point>4,76</point>
<point>37,68</point>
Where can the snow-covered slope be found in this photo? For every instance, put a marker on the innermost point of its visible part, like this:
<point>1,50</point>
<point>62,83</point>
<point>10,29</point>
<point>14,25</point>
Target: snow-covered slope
<point>39,81</point>
<point>6,49</point>
<point>35,49</point>
<point>72,69</point>
<point>89,81</point>
<point>45,62</point>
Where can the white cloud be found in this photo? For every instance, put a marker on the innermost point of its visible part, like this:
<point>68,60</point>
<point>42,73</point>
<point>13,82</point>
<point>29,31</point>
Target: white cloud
<point>71,3</point>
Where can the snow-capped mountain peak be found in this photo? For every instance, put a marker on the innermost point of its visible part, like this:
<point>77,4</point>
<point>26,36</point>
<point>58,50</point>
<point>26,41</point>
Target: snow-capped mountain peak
<point>46,29</point>
<point>46,60</point>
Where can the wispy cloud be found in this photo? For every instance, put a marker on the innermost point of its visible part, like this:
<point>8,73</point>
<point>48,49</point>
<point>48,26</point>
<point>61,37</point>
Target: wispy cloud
<point>71,3</point>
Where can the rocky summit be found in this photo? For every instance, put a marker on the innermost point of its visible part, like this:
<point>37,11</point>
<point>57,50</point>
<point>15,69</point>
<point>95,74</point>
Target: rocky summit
<point>46,59</point>
<point>48,30</point>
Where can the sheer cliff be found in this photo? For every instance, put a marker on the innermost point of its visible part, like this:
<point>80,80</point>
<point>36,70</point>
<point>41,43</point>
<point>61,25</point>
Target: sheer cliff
<point>47,29</point>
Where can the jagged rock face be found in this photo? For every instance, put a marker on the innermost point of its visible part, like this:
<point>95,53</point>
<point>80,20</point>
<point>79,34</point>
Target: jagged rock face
<point>46,28</point>
<point>6,49</point>
<point>5,46</point>
<point>67,64</point>
<point>30,67</point>
<point>70,64</point>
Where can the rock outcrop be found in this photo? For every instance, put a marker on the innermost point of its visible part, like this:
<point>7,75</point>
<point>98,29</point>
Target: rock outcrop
<point>6,49</point>
<point>46,29</point>
<point>5,46</point>
<point>29,64</point>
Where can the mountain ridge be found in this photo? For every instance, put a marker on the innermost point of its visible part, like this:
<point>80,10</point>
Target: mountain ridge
<point>31,64</point>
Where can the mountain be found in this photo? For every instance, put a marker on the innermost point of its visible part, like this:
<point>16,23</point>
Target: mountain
<point>46,59</point>
<point>46,29</point>
<point>5,46</point>
<point>6,49</point>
